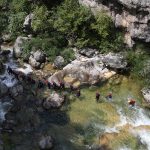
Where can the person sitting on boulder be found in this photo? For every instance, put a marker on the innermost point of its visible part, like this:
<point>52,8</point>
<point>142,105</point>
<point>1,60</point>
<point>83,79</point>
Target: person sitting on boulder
<point>97,96</point>
<point>131,102</point>
<point>78,94</point>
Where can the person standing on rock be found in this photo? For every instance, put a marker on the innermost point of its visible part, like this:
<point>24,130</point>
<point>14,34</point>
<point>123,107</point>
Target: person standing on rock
<point>97,96</point>
<point>49,85</point>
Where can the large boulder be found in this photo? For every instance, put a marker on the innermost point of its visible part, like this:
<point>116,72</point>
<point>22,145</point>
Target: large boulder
<point>18,46</point>
<point>46,143</point>
<point>131,15</point>
<point>84,71</point>
<point>115,61</point>
<point>146,94</point>
<point>59,62</point>
<point>53,101</point>
<point>3,89</point>
<point>37,58</point>
<point>16,90</point>
<point>28,22</point>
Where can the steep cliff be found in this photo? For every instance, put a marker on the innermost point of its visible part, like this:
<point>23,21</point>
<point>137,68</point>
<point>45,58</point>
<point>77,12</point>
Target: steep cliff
<point>131,15</point>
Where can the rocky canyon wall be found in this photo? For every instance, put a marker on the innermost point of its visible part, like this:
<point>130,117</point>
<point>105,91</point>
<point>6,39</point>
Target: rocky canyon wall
<point>131,15</point>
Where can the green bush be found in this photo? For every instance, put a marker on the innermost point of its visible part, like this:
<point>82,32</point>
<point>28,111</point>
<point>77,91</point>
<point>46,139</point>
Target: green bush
<point>16,23</point>
<point>40,22</point>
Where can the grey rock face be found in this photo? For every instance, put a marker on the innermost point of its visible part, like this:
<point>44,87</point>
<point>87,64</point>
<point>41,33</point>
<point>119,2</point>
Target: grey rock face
<point>3,89</point>
<point>132,15</point>
<point>59,62</point>
<point>18,46</point>
<point>53,101</point>
<point>115,61</point>
<point>146,94</point>
<point>46,143</point>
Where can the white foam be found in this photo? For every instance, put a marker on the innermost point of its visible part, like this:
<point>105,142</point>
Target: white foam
<point>26,70</point>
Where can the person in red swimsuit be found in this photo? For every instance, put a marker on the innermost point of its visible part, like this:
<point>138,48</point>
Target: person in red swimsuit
<point>131,102</point>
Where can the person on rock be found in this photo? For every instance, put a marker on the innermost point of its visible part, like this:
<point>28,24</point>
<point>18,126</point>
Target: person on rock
<point>131,102</point>
<point>97,96</point>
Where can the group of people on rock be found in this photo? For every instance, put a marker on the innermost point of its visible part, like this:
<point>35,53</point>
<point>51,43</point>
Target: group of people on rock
<point>43,83</point>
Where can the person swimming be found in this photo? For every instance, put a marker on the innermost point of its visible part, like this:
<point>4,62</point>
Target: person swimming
<point>131,102</point>
<point>109,96</point>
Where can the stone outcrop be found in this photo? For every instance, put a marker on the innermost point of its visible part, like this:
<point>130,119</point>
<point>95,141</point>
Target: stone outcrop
<point>85,70</point>
<point>18,46</point>
<point>146,94</point>
<point>132,15</point>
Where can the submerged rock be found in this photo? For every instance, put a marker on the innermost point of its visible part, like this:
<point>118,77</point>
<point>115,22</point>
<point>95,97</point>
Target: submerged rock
<point>146,94</point>
<point>46,143</point>
<point>53,101</point>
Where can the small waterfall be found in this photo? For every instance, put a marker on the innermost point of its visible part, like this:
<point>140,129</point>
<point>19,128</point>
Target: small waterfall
<point>7,79</point>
